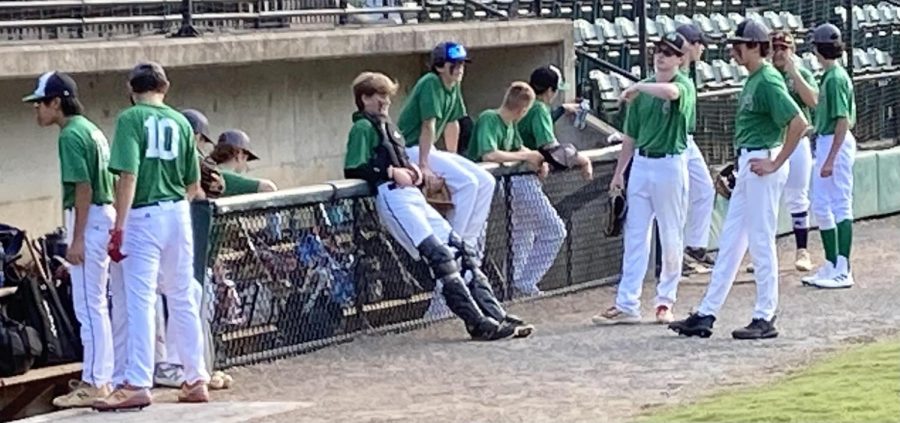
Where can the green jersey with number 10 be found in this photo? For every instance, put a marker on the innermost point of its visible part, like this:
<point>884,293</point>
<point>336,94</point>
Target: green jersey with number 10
<point>156,144</point>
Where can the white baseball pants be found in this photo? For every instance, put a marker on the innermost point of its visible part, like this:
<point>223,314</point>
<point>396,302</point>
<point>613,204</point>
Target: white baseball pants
<point>701,197</point>
<point>796,189</point>
<point>751,222</point>
<point>119,313</point>
<point>471,187</point>
<point>537,232</point>
<point>410,220</point>
<point>158,241</point>
<point>832,197</point>
<point>656,189</point>
<point>89,293</point>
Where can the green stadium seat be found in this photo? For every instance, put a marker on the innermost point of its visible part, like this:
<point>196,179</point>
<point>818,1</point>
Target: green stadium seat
<point>812,63</point>
<point>705,76</point>
<point>682,20</point>
<point>794,23</point>
<point>740,72</point>
<point>628,30</point>
<point>773,20</point>
<point>608,33</point>
<point>735,20</point>
<point>653,33</point>
<point>665,24</point>
<point>708,27</point>
<point>722,23</point>
<point>881,61</point>
<point>724,73</point>
<point>588,35</point>
<point>437,10</point>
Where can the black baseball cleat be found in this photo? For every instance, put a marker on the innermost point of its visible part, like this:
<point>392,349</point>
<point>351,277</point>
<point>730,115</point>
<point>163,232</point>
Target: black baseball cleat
<point>699,255</point>
<point>694,325</point>
<point>757,329</point>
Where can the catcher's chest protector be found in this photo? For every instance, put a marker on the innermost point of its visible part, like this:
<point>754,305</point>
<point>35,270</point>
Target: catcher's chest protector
<point>392,150</point>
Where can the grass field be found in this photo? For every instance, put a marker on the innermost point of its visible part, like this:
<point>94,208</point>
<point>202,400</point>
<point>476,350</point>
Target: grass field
<point>858,385</point>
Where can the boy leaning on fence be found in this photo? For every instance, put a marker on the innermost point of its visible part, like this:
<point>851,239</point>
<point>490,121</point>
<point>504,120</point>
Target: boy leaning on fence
<point>537,231</point>
<point>376,154</point>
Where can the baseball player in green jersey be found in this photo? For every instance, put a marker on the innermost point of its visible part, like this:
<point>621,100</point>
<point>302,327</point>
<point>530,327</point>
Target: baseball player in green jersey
<point>87,196</point>
<point>804,89</point>
<point>701,194</point>
<point>832,184</point>
<point>768,125</point>
<point>376,154</point>
<point>154,154</point>
<point>231,155</point>
<point>655,140</point>
<point>537,230</point>
<point>430,114</point>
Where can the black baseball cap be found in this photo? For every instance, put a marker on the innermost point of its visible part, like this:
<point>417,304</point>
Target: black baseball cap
<point>827,34</point>
<point>51,85</point>
<point>147,76</point>
<point>693,34</point>
<point>449,52</point>
<point>199,123</point>
<point>674,41</point>
<point>239,139</point>
<point>548,77</point>
<point>750,31</point>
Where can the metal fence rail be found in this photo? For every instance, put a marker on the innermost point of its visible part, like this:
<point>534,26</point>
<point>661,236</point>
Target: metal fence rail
<point>297,270</point>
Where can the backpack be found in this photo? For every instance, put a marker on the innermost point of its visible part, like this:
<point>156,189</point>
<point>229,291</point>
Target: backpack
<point>20,346</point>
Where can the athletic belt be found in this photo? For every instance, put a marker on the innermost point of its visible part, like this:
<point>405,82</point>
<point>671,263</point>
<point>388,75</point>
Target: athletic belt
<point>745,150</point>
<point>155,203</point>
<point>652,155</point>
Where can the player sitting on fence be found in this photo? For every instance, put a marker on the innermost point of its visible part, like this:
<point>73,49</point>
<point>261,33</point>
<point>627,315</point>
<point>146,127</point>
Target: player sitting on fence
<point>231,155</point>
<point>376,153</point>
<point>537,230</point>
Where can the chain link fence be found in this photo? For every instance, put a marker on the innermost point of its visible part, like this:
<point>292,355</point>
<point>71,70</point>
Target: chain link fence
<point>294,271</point>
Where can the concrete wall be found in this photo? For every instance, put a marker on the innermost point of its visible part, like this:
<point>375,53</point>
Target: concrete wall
<point>296,111</point>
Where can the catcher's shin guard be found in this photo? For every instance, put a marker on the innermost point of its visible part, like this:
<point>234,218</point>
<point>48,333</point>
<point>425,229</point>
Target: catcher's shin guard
<point>443,265</point>
<point>478,284</point>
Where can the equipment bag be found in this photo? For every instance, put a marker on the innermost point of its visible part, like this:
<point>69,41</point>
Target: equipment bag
<point>20,346</point>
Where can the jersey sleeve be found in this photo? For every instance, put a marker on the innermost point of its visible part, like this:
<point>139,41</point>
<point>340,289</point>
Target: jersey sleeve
<point>125,153</point>
<point>542,128</point>
<point>837,90</point>
<point>73,159</point>
<point>632,120</point>
<point>687,97</point>
<point>459,106</point>
<point>429,100</point>
<point>776,99</point>
<point>483,140</point>
<point>236,184</point>
<point>809,78</point>
<point>361,144</point>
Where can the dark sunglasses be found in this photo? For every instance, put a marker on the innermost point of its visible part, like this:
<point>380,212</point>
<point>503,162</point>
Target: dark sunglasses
<point>666,51</point>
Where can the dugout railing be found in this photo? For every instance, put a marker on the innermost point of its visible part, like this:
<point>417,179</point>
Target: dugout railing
<point>296,270</point>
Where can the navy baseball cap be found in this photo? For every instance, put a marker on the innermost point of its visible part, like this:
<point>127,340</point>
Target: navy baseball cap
<point>147,76</point>
<point>239,139</point>
<point>548,77</point>
<point>449,52</point>
<point>693,34</point>
<point>750,31</point>
<point>827,34</point>
<point>199,123</point>
<point>51,85</point>
<point>674,41</point>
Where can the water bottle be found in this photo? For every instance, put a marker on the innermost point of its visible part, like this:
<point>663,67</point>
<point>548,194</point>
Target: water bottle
<point>581,116</point>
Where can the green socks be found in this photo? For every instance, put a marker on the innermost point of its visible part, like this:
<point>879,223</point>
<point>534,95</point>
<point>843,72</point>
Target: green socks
<point>844,238</point>
<point>830,242</point>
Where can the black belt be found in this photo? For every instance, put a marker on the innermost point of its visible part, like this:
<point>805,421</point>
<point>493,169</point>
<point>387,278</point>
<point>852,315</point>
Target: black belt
<point>156,203</point>
<point>652,155</point>
<point>743,150</point>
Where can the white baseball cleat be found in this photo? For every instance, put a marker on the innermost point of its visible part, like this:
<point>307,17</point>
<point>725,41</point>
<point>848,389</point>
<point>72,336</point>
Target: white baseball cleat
<point>614,316</point>
<point>841,281</point>
<point>826,271</point>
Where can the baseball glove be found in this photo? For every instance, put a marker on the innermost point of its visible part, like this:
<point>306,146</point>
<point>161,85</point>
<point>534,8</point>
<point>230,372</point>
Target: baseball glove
<point>618,209</point>
<point>725,181</point>
<point>437,194</point>
<point>211,180</point>
<point>561,156</point>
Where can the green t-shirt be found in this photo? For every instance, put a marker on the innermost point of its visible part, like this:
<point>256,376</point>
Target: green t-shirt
<point>430,98</point>
<point>536,128</point>
<point>237,184</point>
<point>764,110</point>
<point>83,157</point>
<point>692,112</point>
<point>491,133</point>
<point>810,80</point>
<point>660,126</point>
<point>836,100</point>
<point>156,144</point>
<point>361,142</point>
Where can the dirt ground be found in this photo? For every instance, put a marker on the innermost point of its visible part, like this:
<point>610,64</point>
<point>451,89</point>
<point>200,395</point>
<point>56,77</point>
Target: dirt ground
<point>572,371</point>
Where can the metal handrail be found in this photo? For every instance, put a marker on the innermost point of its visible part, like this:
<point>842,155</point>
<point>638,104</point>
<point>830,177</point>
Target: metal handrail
<point>604,64</point>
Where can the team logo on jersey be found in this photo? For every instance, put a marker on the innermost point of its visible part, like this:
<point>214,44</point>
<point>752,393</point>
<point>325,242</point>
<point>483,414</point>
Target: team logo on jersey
<point>667,106</point>
<point>746,102</point>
